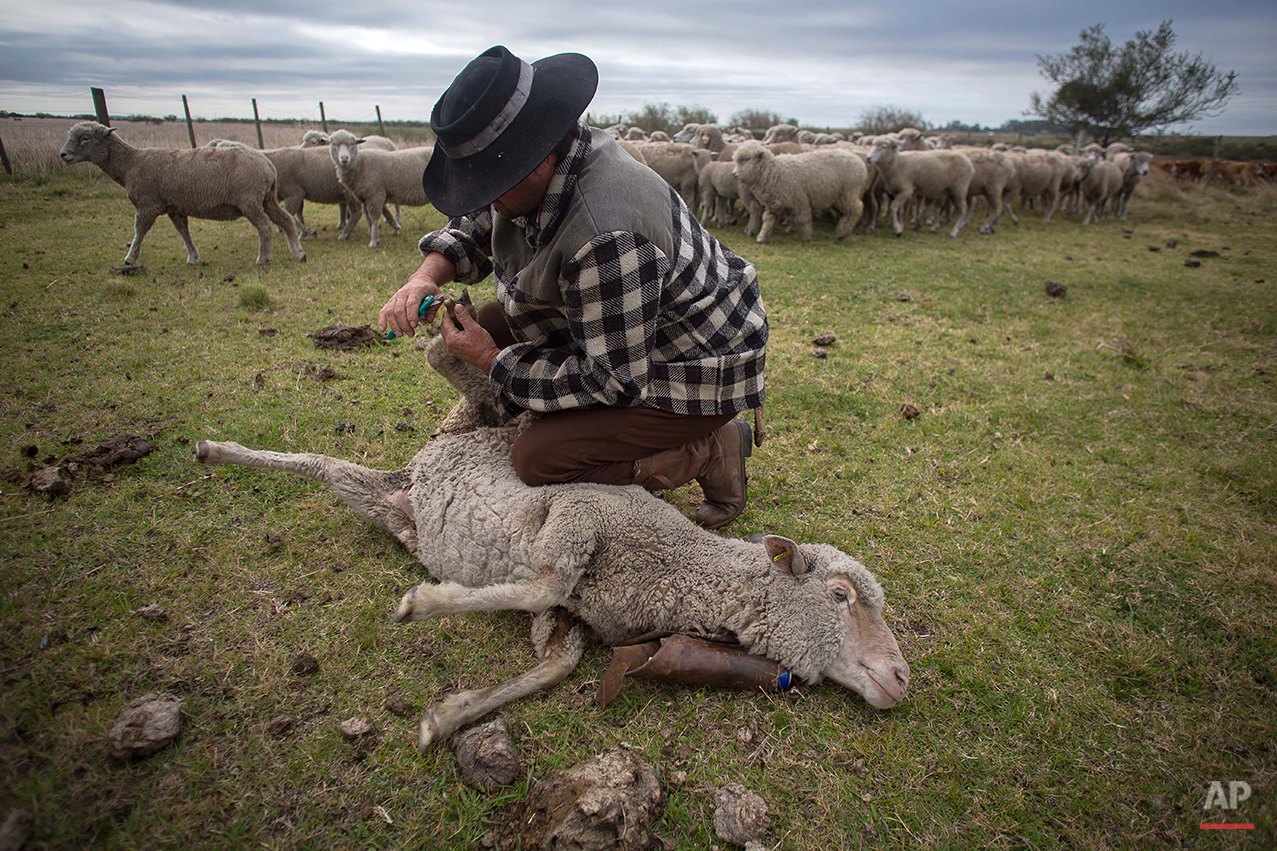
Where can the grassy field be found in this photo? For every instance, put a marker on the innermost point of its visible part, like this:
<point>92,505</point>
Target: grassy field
<point>1076,536</point>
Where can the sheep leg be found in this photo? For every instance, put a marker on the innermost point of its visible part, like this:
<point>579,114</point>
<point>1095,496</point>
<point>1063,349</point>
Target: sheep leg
<point>142,221</point>
<point>769,224</point>
<point>995,210</point>
<point>897,213</point>
<point>959,200</point>
<point>294,206</point>
<point>262,222</point>
<point>560,643</point>
<point>278,215</point>
<point>431,600</point>
<point>353,215</point>
<point>372,211</point>
<point>380,496</point>
<point>183,228</point>
<point>390,220</point>
<point>1049,207</point>
<point>803,222</point>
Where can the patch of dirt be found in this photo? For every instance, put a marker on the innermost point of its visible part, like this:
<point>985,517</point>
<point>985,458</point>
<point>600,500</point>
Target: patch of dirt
<point>609,802</point>
<point>345,337</point>
<point>487,756</point>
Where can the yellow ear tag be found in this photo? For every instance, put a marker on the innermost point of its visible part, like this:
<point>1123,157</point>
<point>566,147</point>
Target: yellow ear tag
<point>780,555</point>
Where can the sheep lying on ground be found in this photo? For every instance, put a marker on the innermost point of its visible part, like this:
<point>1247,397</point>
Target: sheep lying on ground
<point>221,183</point>
<point>597,561</point>
<point>1098,182</point>
<point>377,178</point>
<point>802,185</point>
<point>932,175</point>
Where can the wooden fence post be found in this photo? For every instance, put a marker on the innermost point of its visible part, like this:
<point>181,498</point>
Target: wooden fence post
<point>258,121</point>
<point>323,119</point>
<point>1210,173</point>
<point>381,128</point>
<point>190,128</point>
<point>4,158</point>
<point>99,106</point>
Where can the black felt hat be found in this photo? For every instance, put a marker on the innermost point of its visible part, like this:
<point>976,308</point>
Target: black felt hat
<point>498,120</point>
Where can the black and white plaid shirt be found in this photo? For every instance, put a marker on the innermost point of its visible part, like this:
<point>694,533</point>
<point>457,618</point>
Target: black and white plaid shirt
<point>685,333</point>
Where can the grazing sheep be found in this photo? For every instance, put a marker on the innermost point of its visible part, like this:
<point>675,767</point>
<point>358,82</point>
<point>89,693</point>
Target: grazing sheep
<point>596,561</point>
<point>990,178</point>
<point>717,191</point>
<point>781,133</point>
<point>306,174</point>
<point>1098,182</point>
<point>1134,167</point>
<point>802,185</point>
<point>932,175</point>
<point>377,178</point>
<point>1037,175</point>
<point>221,183</point>
<point>679,164</point>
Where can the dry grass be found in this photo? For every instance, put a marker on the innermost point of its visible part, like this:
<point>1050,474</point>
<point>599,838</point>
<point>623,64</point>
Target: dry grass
<point>33,143</point>
<point>1077,545</point>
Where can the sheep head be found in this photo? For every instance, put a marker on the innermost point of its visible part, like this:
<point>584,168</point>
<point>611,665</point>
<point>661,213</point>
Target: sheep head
<point>883,150</point>
<point>749,161</point>
<point>829,624</point>
<point>86,142</point>
<point>344,148</point>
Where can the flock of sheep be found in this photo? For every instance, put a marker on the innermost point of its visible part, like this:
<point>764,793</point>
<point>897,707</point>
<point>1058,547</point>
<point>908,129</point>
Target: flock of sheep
<point>794,175</point>
<point>789,177</point>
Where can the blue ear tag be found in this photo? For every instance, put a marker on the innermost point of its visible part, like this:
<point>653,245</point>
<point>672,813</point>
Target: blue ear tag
<point>782,681</point>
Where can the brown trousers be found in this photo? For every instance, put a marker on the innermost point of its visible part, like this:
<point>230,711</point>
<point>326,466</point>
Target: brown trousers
<point>597,445</point>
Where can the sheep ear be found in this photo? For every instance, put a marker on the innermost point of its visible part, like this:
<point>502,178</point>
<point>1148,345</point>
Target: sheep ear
<point>111,130</point>
<point>785,555</point>
<point>360,141</point>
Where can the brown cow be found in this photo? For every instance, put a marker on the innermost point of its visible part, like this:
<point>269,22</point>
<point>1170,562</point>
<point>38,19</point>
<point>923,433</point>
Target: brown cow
<point>1188,169</point>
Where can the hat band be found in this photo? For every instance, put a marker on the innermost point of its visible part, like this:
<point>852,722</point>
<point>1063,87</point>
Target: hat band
<point>507,114</point>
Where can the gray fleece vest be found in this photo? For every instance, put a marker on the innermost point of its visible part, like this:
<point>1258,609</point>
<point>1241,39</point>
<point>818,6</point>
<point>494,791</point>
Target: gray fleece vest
<point>614,192</point>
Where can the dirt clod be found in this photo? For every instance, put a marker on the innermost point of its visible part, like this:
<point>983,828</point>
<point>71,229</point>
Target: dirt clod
<point>820,353</point>
<point>1203,252</point>
<point>128,269</point>
<point>825,338</point>
<point>398,706</point>
<point>740,816</point>
<point>1055,290</point>
<point>52,481</point>
<point>274,539</point>
<point>146,725</point>
<point>305,664</point>
<point>1192,262</point>
<point>345,337</point>
<point>487,755</point>
<point>355,728</point>
<point>16,830</point>
<point>279,725</point>
<point>610,801</point>
<point>153,612</point>
<point>909,412</point>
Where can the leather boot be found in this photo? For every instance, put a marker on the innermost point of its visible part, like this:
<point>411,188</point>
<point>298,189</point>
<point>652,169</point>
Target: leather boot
<point>716,461</point>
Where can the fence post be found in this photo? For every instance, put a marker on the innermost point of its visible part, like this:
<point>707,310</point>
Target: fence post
<point>381,128</point>
<point>190,128</point>
<point>258,121</point>
<point>1210,173</point>
<point>8,169</point>
<point>99,106</point>
<point>323,119</point>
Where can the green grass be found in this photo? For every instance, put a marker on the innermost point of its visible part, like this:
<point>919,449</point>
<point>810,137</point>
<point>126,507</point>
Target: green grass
<point>1076,537</point>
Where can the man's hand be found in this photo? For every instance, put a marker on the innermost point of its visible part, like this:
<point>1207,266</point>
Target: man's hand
<point>470,341</point>
<point>400,313</point>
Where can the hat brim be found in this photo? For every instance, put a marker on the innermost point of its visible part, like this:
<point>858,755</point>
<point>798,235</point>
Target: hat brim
<point>562,87</point>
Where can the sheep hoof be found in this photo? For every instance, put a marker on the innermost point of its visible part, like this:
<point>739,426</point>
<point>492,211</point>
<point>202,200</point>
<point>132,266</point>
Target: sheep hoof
<point>201,451</point>
<point>404,612</point>
<point>428,732</point>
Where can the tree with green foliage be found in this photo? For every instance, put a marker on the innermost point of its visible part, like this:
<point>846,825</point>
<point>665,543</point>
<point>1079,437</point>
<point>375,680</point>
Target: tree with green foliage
<point>758,119</point>
<point>1115,91</point>
<point>889,119</point>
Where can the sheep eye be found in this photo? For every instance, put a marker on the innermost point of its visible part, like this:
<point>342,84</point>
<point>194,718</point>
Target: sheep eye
<point>840,593</point>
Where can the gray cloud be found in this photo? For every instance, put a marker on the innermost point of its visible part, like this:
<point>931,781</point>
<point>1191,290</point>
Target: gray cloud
<point>823,62</point>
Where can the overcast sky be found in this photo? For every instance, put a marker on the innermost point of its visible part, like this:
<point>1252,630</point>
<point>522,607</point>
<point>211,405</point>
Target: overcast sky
<point>822,62</point>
